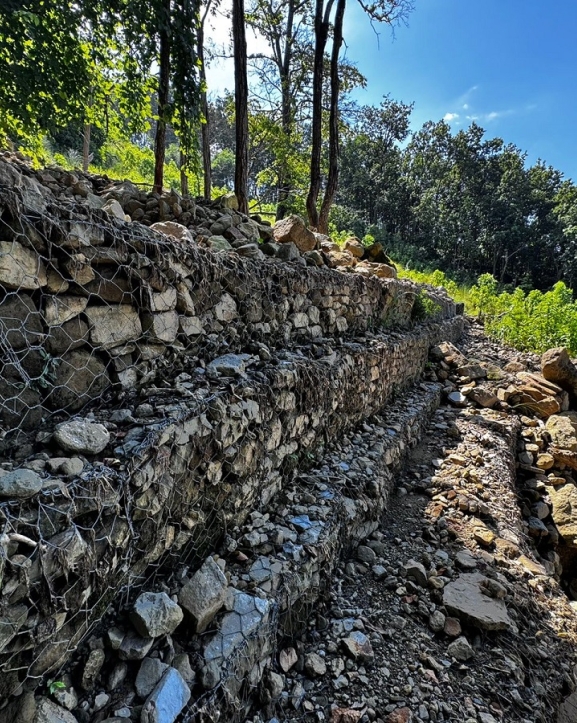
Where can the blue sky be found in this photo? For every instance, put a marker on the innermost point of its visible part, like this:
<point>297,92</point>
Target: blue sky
<point>509,64</point>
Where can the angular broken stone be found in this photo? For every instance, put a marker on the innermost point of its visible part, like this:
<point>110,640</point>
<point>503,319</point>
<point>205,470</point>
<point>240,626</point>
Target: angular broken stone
<point>49,712</point>
<point>562,432</point>
<point>155,614</point>
<point>464,598</point>
<point>556,366</point>
<point>293,229</point>
<point>167,700</point>
<point>461,649</point>
<point>228,365</point>
<point>204,595</point>
<point>249,615</point>
<point>457,399</point>
<point>20,267</point>
<point>150,672</point>
<point>358,646</point>
<point>417,572</point>
<point>134,647</point>
<point>315,666</point>
<point>92,668</point>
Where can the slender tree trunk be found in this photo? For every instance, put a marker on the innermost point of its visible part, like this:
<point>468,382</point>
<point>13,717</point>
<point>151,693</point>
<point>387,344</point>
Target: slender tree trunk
<point>284,180</point>
<point>321,35</point>
<point>333,177</point>
<point>205,128</point>
<point>240,104</point>
<point>163,99</point>
<point>86,147</point>
<point>183,175</point>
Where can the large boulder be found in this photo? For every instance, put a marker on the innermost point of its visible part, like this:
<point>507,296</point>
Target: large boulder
<point>562,432</point>
<point>466,599</point>
<point>556,366</point>
<point>293,229</point>
<point>564,501</point>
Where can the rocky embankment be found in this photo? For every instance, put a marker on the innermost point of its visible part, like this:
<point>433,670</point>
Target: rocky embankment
<point>203,505</point>
<point>159,395</point>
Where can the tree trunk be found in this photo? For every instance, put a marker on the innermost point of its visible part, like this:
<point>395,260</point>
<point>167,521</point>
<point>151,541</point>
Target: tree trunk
<point>333,177</point>
<point>284,180</point>
<point>240,104</point>
<point>183,176</point>
<point>321,35</point>
<point>163,99</point>
<point>86,147</point>
<point>204,128</point>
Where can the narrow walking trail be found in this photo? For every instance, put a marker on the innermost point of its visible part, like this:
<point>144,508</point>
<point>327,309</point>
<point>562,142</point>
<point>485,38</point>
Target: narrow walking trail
<point>446,612</point>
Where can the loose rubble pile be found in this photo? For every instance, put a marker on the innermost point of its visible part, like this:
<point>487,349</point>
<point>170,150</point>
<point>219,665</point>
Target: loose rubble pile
<point>217,225</point>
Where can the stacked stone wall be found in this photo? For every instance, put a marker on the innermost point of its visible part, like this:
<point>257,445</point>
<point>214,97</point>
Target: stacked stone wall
<point>196,382</point>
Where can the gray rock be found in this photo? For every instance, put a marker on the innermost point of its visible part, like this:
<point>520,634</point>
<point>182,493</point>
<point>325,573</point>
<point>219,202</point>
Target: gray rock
<point>416,571</point>
<point>117,676</point>
<point>457,399</point>
<point>134,647</point>
<point>81,436</point>
<point>112,326</point>
<point>288,252</point>
<point>219,243</point>
<point>464,598</point>
<point>366,554</point>
<point>66,697</point>
<point>20,267</point>
<point>150,672</point>
<point>461,649</point>
<point>167,700</point>
<point>100,701</point>
<point>49,712</point>
<point>80,378</point>
<point>92,668</point>
<point>182,663</point>
<point>437,621</point>
<point>68,466</point>
<point>315,666</point>
<point>465,560</point>
<point>204,595</point>
<point>247,616</point>
<point>228,365</point>
<point>20,484</point>
<point>155,614</point>
<point>358,646</point>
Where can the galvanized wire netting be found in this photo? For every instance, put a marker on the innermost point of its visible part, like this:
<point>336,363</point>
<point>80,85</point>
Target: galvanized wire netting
<point>212,380</point>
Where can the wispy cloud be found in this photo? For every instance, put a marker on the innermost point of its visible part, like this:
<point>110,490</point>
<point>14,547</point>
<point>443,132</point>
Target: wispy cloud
<point>450,117</point>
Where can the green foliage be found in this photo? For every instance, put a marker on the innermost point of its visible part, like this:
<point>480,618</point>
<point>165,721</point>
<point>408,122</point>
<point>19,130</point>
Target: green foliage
<point>534,321</point>
<point>424,307</point>
<point>54,685</point>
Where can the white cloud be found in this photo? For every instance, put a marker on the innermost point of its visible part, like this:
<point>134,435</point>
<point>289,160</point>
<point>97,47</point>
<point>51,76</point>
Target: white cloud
<point>449,117</point>
<point>466,106</point>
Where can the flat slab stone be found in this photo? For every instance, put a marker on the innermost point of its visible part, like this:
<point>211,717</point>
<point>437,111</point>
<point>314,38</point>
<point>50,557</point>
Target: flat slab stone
<point>464,598</point>
<point>247,615</point>
<point>167,699</point>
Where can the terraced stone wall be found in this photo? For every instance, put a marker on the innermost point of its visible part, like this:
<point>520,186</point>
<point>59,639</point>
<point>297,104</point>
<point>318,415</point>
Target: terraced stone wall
<point>126,329</point>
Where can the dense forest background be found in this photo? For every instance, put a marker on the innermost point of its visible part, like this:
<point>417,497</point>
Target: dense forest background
<point>121,88</point>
